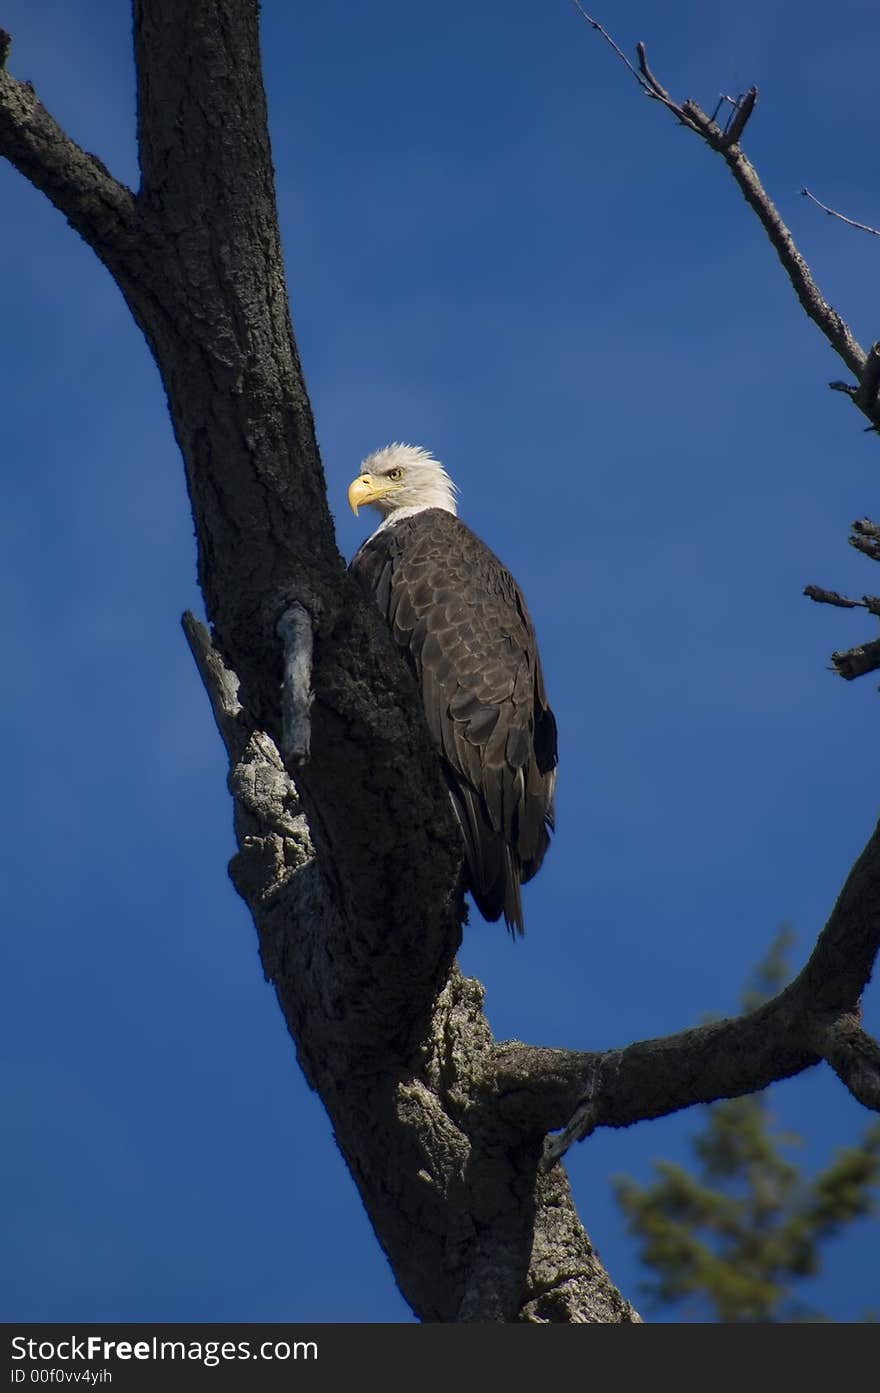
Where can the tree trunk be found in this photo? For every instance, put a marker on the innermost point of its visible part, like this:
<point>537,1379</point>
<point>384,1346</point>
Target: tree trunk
<point>352,876</point>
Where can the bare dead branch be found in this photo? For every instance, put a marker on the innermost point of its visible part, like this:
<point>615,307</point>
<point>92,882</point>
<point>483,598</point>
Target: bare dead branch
<point>832,213</point>
<point>651,1078</point>
<point>220,684</point>
<point>835,329</point>
<point>643,75</point>
<point>814,1018</point>
<point>855,662</point>
<point>81,187</point>
<point>744,107</point>
<point>865,537</point>
<point>654,87</point>
<point>594,24</point>
<point>828,597</point>
<point>865,394</point>
<point>725,143</point>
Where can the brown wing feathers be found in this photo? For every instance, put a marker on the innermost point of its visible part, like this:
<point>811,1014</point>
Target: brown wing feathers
<point>460,618</point>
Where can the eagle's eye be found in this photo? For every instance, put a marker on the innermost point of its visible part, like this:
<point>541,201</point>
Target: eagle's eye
<point>395,474</point>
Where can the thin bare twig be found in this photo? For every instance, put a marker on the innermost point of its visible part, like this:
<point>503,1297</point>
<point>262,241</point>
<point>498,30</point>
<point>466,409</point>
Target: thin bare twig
<point>643,75</point>
<point>594,24</point>
<point>833,213</point>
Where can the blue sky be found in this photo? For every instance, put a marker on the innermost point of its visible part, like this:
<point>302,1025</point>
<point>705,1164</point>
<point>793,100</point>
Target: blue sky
<point>498,249</point>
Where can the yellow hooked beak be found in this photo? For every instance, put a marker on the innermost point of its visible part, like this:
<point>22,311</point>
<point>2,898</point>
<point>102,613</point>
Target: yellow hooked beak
<point>364,489</point>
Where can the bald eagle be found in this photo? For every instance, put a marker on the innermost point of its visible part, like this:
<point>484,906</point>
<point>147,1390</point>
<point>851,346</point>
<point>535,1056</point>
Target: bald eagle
<point>460,620</point>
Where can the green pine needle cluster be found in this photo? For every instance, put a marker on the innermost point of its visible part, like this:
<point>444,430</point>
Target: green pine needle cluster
<point>732,1239</point>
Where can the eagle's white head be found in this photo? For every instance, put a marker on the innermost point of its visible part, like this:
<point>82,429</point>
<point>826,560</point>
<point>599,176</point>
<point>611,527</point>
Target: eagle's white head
<point>400,480</point>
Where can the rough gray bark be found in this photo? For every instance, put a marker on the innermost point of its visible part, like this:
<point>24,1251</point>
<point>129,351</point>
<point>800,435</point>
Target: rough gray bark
<point>474,1226</point>
<point>353,875</point>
